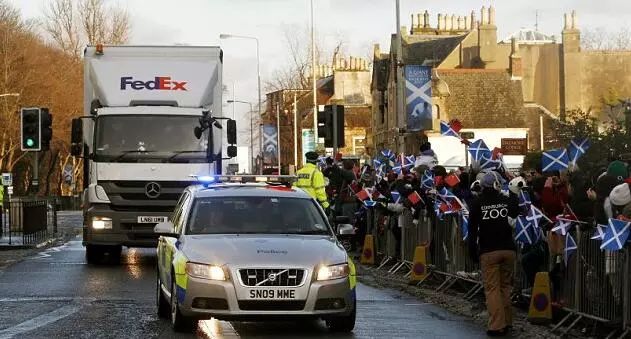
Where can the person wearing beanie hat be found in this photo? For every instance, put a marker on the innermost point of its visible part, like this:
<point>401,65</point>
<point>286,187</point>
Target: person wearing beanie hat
<point>619,170</point>
<point>620,195</point>
<point>491,242</point>
<point>311,180</point>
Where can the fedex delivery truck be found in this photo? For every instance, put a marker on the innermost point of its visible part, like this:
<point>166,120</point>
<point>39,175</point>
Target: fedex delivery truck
<point>142,105</point>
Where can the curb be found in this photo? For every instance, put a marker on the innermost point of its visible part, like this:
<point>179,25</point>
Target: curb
<point>30,247</point>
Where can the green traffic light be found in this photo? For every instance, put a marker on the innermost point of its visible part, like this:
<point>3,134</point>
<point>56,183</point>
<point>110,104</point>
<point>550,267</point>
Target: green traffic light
<point>30,142</point>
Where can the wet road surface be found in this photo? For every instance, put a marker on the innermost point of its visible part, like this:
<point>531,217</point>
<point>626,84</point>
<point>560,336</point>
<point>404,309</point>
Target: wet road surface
<point>57,294</point>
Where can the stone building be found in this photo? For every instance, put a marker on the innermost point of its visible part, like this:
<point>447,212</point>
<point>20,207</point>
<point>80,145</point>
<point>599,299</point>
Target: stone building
<point>486,83</point>
<point>346,81</point>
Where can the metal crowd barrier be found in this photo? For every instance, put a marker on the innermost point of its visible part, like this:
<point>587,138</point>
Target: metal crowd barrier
<point>594,285</point>
<point>28,221</point>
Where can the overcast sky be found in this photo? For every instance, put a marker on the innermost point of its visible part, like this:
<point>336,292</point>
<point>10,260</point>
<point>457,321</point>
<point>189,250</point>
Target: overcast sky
<point>359,23</point>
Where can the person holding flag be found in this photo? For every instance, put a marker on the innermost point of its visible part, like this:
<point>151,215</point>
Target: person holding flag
<point>491,242</point>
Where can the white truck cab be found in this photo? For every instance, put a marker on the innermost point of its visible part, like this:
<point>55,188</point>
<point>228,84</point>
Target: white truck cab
<point>142,104</point>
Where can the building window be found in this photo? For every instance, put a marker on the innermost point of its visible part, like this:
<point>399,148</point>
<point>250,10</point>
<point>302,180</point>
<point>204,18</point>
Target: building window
<point>436,112</point>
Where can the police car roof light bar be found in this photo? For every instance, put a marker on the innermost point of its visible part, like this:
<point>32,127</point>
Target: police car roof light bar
<point>206,180</point>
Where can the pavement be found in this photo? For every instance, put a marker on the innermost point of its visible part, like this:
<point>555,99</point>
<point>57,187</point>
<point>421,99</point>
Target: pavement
<point>55,293</point>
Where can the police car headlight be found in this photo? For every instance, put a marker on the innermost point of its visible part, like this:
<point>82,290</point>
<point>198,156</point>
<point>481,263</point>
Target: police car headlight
<point>101,223</point>
<point>203,271</point>
<point>333,272</point>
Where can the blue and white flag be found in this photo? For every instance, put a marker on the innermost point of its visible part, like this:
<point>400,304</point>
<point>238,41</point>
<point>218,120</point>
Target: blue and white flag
<point>562,226</point>
<point>478,149</point>
<point>397,168</point>
<point>522,227</point>
<point>554,160</point>
<point>427,180</point>
<point>446,130</point>
<point>446,194</point>
<point>577,148</point>
<point>418,97</point>
<point>370,203</point>
<point>524,199</point>
<point>488,164</point>
<point>408,161</point>
<point>570,248</point>
<point>535,215</point>
<point>599,233</point>
<point>437,210</point>
<point>377,163</point>
<point>464,227</point>
<point>388,154</point>
<point>396,196</point>
<point>616,235</point>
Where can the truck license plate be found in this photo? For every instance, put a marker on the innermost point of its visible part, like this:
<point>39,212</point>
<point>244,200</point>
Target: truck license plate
<point>151,220</point>
<point>272,294</point>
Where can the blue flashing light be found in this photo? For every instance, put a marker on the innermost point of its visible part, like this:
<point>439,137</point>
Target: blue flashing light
<point>206,179</point>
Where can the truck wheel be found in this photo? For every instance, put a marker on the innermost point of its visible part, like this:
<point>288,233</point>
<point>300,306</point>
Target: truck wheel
<point>343,324</point>
<point>93,254</point>
<point>164,310</point>
<point>179,322</point>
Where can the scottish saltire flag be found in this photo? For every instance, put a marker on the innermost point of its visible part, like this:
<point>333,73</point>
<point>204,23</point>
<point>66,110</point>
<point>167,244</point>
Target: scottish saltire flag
<point>599,233</point>
<point>489,164</point>
<point>522,227</point>
<point>616,235</point>
<point>464,227</point>
<point>570,248</point>
<point>538,234</point>
<point>396,196</point>
<point>554,160</point>
<point>437,209</point>
<point>397,168</point>
<point>418,97</point>
<point>562,226</point>
<point>446,130</point>
<point>446,194</point>
<point>376,163</point>
<point>478,149</point>
<point>408,161</point>
<point>524,199</point>
<point>535,215</point>
<point>370,203</point>
<point>427,181</point>
<point>388,154</point>
<point>577,148</point>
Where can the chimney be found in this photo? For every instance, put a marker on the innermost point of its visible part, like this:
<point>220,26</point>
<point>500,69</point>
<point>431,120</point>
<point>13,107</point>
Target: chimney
<point>426,21</point>
<point>454,22</point>
<point>574,20</point>
<point>484,16</point>
<point>461,23</point>
<point>412,25</point>
<point>447,22</point>
<point>473,21</point>
<point>566,21</point>
<point>516,70</point>
<point>487,37</point>
<point>421,21</point>
<point>440,22</point>
<point>376,51</point>
<point>492,15</point>
<point>467,22</point>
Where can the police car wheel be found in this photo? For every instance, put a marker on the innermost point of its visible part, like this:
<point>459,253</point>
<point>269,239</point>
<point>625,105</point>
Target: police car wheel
<point>93,254</point>
<point>343,324</point>
<point>162,304</point>
<point>179,322</point>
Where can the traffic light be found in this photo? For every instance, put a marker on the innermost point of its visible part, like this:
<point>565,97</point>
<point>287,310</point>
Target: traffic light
<point>326,127</point>
<point>31,129</point>
<point>46,121</point>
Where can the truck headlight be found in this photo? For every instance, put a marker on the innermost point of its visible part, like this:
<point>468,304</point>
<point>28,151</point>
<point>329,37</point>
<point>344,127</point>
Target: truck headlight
<point>333,272</point>
<point>203,271</point>
<point>101,223</point>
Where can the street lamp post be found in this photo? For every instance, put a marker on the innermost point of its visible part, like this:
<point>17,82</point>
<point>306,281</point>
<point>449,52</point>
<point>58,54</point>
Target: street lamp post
<point>258,74</point>
<point>251,130</point>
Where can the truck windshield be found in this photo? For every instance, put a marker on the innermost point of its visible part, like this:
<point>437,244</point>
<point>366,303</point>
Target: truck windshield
<point>256,215</point>
<point>135,137</point>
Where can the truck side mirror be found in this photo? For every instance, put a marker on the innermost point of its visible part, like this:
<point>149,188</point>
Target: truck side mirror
<point>232,151</point>
<point>76,137</point>
<point>232,132</point>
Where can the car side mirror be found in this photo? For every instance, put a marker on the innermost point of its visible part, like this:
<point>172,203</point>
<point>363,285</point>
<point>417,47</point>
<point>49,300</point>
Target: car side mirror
<point>166,229</point>
<point>345,229</point>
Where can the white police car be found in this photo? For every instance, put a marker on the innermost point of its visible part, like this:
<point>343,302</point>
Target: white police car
<point>252,248</point>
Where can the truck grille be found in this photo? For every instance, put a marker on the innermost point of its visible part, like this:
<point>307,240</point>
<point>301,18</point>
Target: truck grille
<point>272,277</point>
<point>133,194</point>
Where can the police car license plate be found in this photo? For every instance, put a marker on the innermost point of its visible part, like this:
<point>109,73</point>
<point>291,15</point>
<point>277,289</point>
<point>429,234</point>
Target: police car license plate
<point>276,294</point>
<point>151,220</point>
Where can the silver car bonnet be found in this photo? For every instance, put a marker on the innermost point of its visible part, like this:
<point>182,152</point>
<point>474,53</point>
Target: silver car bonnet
<point>256,250</point>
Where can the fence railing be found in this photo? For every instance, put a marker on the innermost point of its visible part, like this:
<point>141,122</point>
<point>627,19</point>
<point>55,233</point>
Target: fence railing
<point>593,285</point>
<point>27,221</point>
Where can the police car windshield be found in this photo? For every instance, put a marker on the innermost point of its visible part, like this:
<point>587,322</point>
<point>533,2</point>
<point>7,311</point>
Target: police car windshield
<point>148,138</point>
<point>256,215</point>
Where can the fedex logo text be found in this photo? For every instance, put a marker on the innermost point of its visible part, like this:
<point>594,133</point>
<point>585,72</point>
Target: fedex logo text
<point>158,83</point>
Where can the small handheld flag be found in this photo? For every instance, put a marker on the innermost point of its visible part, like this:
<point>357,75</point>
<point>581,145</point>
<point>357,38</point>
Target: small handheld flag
<point>521,229</point>
<point>554,160</point>
<point>428,180</point>
<point>446,130</point>
<point>616,235</point>
<point>562,226</point>
<point>599,233</point>
<point>396,196</point>
<point>570,248</point>
<point>577,148</point>
<point>464,227</point>
<point>524,199</point>
<point>478,149</point>
<point>415,198</point>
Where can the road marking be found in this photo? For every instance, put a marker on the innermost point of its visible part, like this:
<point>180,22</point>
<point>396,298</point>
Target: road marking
<point>40,321</point>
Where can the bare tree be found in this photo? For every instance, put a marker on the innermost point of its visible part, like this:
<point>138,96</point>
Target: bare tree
<point>88,22</point>
<point>601,39</point>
